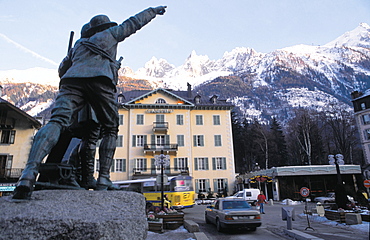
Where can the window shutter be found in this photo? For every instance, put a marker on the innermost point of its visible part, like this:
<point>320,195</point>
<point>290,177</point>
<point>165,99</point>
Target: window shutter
<point>134,140</point>
<point>195,140</point>
<point>186,162</point>
<point>9,162</point>
<point>124,165</point>
<point>226,186</point>
<point>214,163</point>
<point>196,185</point>
<point>215,185</point>
<point>196,163</point>
<point>153,139</point>
<point>176,168</point>
<point>224,163</point>
<point>12,137</point>
<point>167,139</point>
<point>144,168</point>
<point>206,163</point>
<point>153,167</point>
<point>202,140</point>
<point>145,139</point>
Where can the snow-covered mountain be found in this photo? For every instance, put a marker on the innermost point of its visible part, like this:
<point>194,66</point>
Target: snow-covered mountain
<point>301,75</point>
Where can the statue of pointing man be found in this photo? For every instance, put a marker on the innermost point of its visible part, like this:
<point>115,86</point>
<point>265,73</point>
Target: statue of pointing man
<point>91,78</point>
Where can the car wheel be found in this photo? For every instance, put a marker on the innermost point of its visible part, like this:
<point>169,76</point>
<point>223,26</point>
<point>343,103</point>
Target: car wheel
<point>253,229</point>
<point>218,225</point>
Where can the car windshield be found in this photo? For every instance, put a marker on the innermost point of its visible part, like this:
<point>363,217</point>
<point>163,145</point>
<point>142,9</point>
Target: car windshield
<point>235,205</point>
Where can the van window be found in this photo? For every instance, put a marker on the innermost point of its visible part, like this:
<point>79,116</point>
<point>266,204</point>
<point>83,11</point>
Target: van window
<point>248,194</point>
<point>240,195</point>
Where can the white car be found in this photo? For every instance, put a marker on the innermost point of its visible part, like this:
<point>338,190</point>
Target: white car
<point>330,198</point>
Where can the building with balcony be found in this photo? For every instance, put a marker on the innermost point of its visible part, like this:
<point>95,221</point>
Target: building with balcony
<point>17,129</point>
<point>361,105</point>
<point>194,131</point>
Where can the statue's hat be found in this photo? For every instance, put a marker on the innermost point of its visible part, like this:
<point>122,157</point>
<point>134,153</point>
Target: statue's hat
<point>98,23</point>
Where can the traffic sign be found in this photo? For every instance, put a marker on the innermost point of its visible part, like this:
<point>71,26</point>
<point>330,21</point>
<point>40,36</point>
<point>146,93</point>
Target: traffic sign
<point>304,192</point>
<point>367,183</point>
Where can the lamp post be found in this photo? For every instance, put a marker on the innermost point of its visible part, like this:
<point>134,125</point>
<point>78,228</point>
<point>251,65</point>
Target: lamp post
<point>340,195</point>
<point>161,161</point>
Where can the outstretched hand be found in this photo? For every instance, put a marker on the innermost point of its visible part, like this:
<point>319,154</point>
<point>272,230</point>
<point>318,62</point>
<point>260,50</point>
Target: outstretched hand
<point>160,10</point>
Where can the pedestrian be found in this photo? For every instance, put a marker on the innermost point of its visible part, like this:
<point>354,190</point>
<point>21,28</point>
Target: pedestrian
<point>261,200</point>
<point>91,78</point>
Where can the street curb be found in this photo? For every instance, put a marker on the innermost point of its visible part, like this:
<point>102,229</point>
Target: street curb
<point>300,235</point>
<point>200,236</point>
<point>193,227</point>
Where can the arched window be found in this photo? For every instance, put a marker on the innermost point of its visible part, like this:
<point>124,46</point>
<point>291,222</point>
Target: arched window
<point>160,101</point>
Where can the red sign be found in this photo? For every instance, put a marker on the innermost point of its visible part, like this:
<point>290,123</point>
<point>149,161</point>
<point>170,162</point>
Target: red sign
<point>367,183</point>
<point>304,192</point>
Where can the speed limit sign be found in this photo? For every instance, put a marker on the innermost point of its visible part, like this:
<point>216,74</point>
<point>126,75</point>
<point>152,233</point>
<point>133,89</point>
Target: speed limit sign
<point>304,192</point>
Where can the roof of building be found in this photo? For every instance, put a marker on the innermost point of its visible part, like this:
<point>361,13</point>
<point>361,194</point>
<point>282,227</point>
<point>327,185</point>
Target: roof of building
<point>10,106</point>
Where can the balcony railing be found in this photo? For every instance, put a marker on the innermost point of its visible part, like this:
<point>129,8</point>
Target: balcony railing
<point>160,147</point>
<point>11,173</point>
<point>155,171</point>
<point>160,126</point>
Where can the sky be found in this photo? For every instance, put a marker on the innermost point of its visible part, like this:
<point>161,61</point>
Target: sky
<point>36,33</point>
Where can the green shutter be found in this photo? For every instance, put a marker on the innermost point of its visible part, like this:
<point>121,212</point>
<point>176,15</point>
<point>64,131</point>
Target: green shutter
<point>176,168</point>
<point>202,140</point>
<point>153,166</point>
<point>196,185</point>
<point>124,165</point>
<point>153,138</point>
<point>186,162</point>
<point>226,185</point>
<point>144,165</point>
<point>196,163</point>
<point>224,163</point>
<point>215,185</point>
<point>195,140</point>
<point>134,140</point>
<point>207,185</point>
<point>145,139</point>
<point>167,139</point>
<point>214,163</point>
<point>206,165</point>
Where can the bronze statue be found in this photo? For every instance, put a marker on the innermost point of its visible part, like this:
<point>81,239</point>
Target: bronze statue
<point>92,79</point>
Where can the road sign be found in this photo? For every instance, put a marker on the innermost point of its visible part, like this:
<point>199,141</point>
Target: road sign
<point>304,192</point>
<point>367,183</point>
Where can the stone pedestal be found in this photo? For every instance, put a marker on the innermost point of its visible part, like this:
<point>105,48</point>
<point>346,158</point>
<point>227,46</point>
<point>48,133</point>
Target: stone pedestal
<point>74,214</point>
<point>353,218</point>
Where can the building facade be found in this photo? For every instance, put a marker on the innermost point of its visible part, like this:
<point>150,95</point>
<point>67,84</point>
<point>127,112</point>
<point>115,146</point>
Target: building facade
<point>193,131</point>
<point>361,105</point>
<point>17,129</point>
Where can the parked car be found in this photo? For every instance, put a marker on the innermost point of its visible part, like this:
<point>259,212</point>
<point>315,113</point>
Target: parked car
<point>232,213</point>
<point>249,195</point>
<point>330,198</point>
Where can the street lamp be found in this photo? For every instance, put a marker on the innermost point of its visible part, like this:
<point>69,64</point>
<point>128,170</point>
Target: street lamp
<point>340,195</point>
<point>161,161</point>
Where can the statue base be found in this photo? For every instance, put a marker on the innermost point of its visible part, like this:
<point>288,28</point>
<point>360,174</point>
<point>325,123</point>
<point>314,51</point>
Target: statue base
<point>74,214</point>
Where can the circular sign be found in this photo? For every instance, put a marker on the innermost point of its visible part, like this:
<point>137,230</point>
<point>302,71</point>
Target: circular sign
<point>367,183</point>
<point>304,192</point>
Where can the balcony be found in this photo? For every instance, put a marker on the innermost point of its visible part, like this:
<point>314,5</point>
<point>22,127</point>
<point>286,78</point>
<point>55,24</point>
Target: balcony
<point>152,172</point>
<point>157,148</point>
<point>10,173</point>
<point>160,127</point>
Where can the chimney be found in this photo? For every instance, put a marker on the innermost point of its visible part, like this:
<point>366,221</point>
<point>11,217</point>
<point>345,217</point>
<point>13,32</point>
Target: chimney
<point>189,90</point>
<point>356,94</point>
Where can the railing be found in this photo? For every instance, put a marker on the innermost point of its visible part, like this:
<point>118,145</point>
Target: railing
<point>159,147</point>
<point>156,171</point>
<point>160,126</point>
<point>11,173</point>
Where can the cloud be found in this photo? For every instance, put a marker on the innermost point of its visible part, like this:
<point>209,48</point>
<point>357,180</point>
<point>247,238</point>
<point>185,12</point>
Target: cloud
<point>26,50</point>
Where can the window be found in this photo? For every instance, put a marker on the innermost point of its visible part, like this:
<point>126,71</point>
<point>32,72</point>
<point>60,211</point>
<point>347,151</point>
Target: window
<point>218,142</point>
<point>120,165</point>
<point>181,164</point>
<point>120,119</point>
<point>180,119</point>
<point>367,134</point>
<point>198,140</point>
<point>201,163</point>
<point>140,165</point>
<point>216,120</point>
<point>159,118</point>
<point>219,163</point>
<point>363,106</point>
<point>201,185</point>
<point>138,140</point>
<point>119,142</point>
<point>180,140</point>
<point>220,184</point>
<point>366,119</point>
<point>7,136</point>
<point>140,119</point>
<point>199,119</point>
<point>160,101</point>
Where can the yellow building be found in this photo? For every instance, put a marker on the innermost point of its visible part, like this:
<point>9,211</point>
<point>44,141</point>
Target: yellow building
<point>194,131</point>
<point>17,129</point>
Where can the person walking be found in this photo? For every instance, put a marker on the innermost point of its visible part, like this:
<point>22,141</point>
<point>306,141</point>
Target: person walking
<point>91,78</point>
<point>261,200</point>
